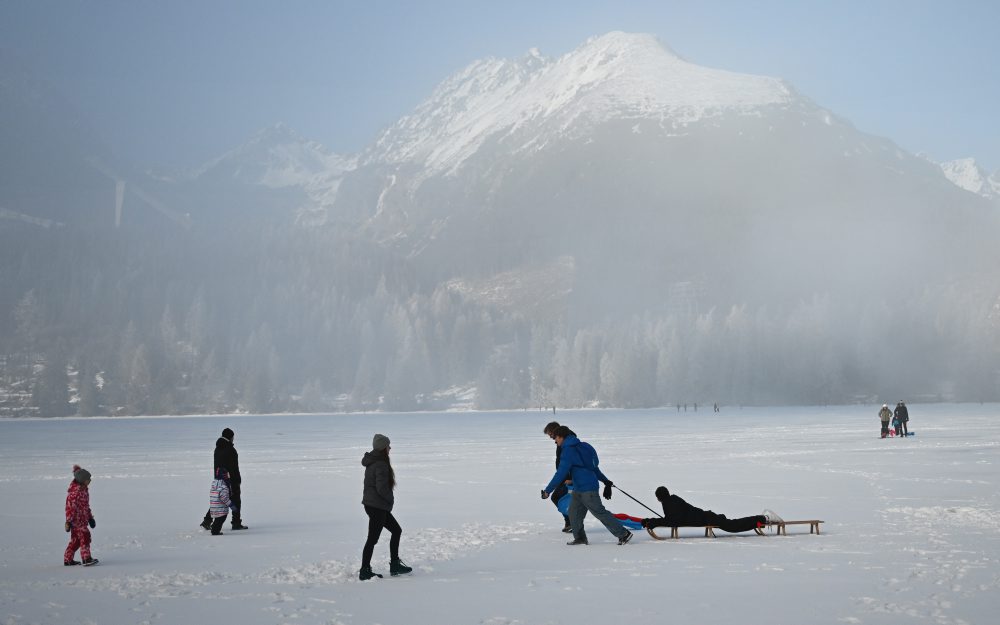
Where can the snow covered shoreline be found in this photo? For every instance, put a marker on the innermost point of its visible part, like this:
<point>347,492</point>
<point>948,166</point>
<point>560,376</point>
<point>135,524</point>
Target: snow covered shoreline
<point>910,528</point>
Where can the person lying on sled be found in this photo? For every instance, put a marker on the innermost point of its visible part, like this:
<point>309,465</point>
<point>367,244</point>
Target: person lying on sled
<point>679,513</point>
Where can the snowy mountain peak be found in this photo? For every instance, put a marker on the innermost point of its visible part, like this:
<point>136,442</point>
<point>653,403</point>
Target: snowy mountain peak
<point>967,174</point>
<point>277,134</point>
<point>526,102</point>
<point>278,156</point>
<point>626,46</point>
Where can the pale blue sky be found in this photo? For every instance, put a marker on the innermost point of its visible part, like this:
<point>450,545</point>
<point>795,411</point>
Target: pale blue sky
<point>177,83</point>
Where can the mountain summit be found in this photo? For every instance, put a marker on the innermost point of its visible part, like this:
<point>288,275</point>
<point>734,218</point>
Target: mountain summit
<point>523,103</point>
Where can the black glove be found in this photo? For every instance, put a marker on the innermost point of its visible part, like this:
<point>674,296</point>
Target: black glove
<point>607,490</point>
<point>92,523</point>
<point>68,526</point>
<point>545,495</point>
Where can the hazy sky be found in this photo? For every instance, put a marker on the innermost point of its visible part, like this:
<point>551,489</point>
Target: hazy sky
<point>177,83</point>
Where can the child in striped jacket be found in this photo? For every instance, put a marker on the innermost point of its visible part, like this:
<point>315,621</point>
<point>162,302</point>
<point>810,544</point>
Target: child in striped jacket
<point>219,501</point>
<point>78,517</point>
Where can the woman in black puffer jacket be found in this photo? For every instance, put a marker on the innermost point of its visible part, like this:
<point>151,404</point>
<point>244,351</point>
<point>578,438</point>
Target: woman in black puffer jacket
<point>380,480</point>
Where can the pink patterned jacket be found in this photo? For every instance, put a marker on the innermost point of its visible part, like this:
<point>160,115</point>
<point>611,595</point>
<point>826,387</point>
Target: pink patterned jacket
<point>78,505</point>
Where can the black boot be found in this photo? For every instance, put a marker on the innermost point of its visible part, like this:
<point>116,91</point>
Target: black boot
<point>567,527</point>
<point>366,573</point>
<point>396,567</point>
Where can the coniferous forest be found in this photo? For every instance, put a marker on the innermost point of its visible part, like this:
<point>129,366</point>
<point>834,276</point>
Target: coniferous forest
<point>269,317</point>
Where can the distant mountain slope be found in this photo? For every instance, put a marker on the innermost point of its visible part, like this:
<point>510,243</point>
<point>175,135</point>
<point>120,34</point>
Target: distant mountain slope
<point>279,158</point>
<point>649,171</point>
<point>524,103</point>
<point>45,145</point>
<point>968,175</point>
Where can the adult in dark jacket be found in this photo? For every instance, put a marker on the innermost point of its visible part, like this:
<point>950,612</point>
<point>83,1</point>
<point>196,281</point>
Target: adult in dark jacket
<point>679,513</point>
<point>378,499</point>
<point>903,415</point>
<point>227,459</point>
<point>562,489</point>
<point>579,463</point>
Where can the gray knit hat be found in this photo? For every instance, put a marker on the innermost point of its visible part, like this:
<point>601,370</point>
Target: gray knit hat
<point>80,475</point>
<point>380,442</point>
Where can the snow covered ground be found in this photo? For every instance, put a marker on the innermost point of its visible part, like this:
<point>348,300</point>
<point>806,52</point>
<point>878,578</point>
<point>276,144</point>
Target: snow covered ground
<point>912,530</point>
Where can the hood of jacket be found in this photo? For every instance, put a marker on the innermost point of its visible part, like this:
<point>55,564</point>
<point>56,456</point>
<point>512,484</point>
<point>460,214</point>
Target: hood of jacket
<point>570,441</point>
<point>371,457</point>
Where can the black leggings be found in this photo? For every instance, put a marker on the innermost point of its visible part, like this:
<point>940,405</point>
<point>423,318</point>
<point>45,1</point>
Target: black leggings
<point>745,524</point>
<point>378,519</point>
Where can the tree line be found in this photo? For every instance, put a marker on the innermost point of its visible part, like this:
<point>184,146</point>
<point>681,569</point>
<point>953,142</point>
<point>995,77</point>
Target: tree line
<point>274,318</point>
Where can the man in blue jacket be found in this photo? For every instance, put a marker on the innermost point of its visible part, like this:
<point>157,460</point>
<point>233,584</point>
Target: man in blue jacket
<point>579,463</point>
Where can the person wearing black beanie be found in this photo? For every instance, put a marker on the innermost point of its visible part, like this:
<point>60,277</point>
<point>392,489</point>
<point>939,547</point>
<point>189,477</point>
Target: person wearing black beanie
<point>227,459</point>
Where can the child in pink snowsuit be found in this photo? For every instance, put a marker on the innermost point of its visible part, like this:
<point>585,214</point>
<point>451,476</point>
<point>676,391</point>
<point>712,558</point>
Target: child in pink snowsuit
<point>78,517</point>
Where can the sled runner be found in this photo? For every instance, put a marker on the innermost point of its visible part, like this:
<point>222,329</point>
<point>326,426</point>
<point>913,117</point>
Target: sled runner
<point>709,533</point>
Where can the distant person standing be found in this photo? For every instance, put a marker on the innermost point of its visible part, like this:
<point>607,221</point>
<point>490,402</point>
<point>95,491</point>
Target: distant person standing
<point>227,459</point>
<point>562,489</point>
<point>885,415</point>
<point>904,416</point>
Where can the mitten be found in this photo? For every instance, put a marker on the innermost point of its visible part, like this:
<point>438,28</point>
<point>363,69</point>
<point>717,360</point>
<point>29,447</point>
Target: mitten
<point>92,523</point>
<point>68,526</point>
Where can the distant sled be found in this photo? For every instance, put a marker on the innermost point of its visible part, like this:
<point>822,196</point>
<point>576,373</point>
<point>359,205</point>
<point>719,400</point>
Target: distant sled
<point>901,435</point>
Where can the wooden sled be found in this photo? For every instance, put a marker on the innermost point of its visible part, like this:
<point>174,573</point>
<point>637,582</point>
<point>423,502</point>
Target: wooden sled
<point>710,533</point>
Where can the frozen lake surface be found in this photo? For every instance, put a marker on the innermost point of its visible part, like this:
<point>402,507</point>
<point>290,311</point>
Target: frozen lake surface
<point>911,533</point>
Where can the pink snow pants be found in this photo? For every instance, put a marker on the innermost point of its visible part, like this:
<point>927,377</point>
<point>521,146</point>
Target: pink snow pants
<point>79,538</point>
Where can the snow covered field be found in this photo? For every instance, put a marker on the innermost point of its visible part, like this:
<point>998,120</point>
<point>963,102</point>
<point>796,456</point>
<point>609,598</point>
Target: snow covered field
<point>912,530</point>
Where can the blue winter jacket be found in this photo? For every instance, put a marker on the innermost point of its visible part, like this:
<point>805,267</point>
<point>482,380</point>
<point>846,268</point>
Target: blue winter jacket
<point>578,462</point>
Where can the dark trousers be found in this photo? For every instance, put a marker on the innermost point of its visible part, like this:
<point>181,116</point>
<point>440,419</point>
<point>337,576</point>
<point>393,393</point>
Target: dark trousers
<point>885,429</point>
<point>905,430</point>
<point>733,526</point>
<point>378,519</point>
<point>234,496</point>
<point>217,524</point>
